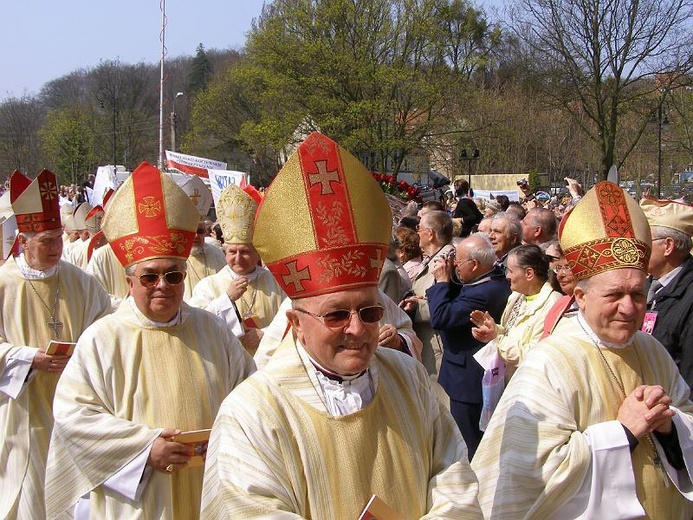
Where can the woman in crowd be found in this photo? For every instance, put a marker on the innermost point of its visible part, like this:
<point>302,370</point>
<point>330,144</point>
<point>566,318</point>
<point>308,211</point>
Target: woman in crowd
<point>409,252</point>
<point>522,323</point>
<point>566,281</point>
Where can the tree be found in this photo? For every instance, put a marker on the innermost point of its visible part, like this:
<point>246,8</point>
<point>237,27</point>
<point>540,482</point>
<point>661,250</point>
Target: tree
<point>68,141</point>
<point>200,71</point>
<point>20,120</point>
<point>600,59</point>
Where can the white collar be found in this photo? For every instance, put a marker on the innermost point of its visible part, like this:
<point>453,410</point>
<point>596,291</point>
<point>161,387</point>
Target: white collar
<point>30,273</point>
<point>249,276</point>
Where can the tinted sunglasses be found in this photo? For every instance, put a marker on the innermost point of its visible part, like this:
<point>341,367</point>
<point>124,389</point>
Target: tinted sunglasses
<point>171,278</point>
<point>340,318</point>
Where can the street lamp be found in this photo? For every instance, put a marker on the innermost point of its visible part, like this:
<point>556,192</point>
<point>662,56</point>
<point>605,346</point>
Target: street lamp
<point>662,120</point>
<point>465,157</point>
<point>173,120</point>
<point>102,106</point>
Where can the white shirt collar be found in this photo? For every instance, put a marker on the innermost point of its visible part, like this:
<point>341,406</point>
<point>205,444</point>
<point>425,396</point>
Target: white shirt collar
<point>34,274</point>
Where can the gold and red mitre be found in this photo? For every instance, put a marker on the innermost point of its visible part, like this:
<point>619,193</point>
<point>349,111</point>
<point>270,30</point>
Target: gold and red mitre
<point>149,217</point>
<point>606,230</point>
<point>323,225</point>
<point>236,210</point>
<point>669,213</point>
<point>35,203</point>
<point>93,219</point>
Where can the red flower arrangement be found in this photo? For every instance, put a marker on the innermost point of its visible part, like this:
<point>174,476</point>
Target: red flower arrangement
<point>400,189</point>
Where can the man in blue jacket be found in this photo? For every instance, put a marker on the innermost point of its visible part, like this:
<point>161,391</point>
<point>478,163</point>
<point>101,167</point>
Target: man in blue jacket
<point>477,286</point>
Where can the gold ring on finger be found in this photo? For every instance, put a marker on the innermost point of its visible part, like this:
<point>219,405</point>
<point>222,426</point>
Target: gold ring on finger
<point>169,468</point>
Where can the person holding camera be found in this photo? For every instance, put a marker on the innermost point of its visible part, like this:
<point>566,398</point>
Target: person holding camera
<point>466,282</point>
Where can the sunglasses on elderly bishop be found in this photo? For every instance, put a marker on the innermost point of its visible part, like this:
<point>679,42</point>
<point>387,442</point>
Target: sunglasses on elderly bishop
<point>171,278</point>
<point>340,318</point>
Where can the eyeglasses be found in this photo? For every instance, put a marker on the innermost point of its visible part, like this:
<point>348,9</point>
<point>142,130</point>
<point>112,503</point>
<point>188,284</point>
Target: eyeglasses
<point>459,262</point>
<point>659,238</point>
<point>559,268</point>
<point>171,278</point>
<point>340,318</point>
<point>419,227</point>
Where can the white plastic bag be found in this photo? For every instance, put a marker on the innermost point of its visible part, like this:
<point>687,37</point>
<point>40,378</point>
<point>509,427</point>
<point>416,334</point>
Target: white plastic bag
<point>493,382</point>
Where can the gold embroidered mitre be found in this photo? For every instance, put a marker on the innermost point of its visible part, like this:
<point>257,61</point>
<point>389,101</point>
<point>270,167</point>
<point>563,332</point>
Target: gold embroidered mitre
<point>323,225</point>
<point>606,230</point>
<point>235,214</point>
<point>149,217</point>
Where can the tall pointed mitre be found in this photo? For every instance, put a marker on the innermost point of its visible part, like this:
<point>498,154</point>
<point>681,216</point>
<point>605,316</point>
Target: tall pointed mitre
<point>198,192</point>
<point>35,203</point>
<point>92,220</point>
<point>235,213</point>
<point>80,215</point>
<point>323,225</point>
<point>149,217</point>
<point>606,230</point>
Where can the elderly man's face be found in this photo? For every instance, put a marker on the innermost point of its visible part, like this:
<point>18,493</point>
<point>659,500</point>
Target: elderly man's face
<point>161,301</point>
<point>500,236</point>
<point>347,350</point>
<point>613,304</point>
<point>241,258</point>
<point>43,251</point>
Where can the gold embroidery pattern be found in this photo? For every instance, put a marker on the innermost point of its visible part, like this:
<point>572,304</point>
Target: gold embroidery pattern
<point>295,276</point>
<point>349,263</point>
<point>625,251</point>
<point>323,177</point>
<point>173,243</point>
<point>149,206</point>
<point>331,220</point>
<point>133,246</point>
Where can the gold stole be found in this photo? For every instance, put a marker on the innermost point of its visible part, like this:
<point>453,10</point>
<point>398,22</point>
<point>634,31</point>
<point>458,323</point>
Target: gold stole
<point>351,457</point>
<point>166,393</point>
<point>658,500</point>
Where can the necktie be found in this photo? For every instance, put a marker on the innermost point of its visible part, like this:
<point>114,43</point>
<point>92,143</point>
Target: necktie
<point>652,292</point>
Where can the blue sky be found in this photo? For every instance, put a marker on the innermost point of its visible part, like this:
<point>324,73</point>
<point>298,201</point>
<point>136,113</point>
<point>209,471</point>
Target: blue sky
<point>42,40</point>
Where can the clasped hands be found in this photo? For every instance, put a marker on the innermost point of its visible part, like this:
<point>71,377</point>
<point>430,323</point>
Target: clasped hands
<point>646,410</point>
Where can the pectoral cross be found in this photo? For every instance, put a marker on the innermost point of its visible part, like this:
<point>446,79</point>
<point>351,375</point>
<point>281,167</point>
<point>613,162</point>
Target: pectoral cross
<point>56,326</point>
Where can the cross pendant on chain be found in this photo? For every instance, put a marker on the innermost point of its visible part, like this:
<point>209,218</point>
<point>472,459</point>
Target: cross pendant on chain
<point>56,326</point>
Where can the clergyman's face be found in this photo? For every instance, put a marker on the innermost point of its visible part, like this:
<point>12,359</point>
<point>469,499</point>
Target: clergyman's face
<point>344,351</point>
<point>44,249</point>
<point>161,301</point>
<point>241,258</point>
<point>613,303</point>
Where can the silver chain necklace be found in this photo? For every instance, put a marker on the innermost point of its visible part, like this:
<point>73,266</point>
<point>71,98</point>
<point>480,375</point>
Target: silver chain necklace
<point>53,324</point>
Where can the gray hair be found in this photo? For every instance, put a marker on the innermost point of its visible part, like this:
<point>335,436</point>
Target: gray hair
<point>441,224</point>
<point>514,223</point>
<point>682,242</point>
<point>483,252</point>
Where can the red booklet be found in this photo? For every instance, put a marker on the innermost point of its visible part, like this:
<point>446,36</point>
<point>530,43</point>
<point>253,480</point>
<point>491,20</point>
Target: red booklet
<point>376,509</point>
<point>198,441</point>
<point>60,348</point>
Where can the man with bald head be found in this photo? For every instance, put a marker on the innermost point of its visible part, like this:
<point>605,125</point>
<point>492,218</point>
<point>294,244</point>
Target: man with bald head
<point>466,282</point>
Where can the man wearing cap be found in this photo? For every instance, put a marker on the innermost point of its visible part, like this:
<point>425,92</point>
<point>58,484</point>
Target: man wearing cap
<point>141,376</point>
<point>596,422</point>
<point>332,419</point>
<point>670,298</point>
<point>243,294</point>
<point>42,299</point>
<point>205,259</point>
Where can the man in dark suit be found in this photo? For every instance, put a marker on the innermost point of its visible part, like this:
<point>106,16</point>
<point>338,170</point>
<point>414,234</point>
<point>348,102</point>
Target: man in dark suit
<point>483,288</point>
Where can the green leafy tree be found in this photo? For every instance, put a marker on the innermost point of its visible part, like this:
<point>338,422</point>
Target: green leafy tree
<point>67,142</point>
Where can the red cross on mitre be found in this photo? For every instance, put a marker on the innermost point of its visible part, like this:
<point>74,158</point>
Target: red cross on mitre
<point>323,177</point>
<point>295,276</point>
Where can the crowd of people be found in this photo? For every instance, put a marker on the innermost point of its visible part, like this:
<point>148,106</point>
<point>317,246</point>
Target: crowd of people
<point>312,355</point>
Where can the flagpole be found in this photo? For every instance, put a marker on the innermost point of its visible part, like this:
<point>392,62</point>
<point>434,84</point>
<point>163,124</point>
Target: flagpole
<point>160,163</point>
